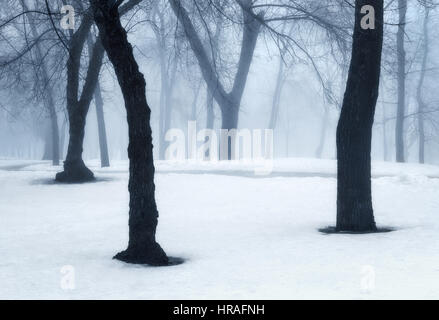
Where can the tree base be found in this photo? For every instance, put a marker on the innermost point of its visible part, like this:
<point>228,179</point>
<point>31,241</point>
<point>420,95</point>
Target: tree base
<point>152,255</point>
<point>334,230</point>
<point>75,173</point>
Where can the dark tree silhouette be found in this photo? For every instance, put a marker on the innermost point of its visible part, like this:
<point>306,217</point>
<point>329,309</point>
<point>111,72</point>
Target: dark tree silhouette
<point>78,105</point>
<point>354,131</point>
<point>143,214</point>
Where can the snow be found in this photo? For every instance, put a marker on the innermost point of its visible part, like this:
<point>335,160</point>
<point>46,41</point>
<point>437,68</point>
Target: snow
<point>243,236</point>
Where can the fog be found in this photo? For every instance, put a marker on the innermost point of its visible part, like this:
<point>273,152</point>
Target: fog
<point>302,125</point>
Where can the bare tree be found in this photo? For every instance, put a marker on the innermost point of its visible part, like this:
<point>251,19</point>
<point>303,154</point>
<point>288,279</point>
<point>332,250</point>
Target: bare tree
<point>143,215</point>
<point>99,105</point>
<point>419,97</point>
<point>75,169</point>
<point>354,131</point>
<point>399,129</point>
<point>229,102</point>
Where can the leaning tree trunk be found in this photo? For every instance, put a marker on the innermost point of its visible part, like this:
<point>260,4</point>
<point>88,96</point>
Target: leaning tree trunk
<point>143,214</point>
<point>354,131</point>
<point>75,169</point>
<point>399,129</point>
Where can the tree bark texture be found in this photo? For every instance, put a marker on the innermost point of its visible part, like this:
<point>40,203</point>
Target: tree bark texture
<point>354,131</point>
<point>143,214</point>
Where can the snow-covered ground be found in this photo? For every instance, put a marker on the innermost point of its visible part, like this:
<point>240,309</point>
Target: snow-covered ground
<point>243,236</point>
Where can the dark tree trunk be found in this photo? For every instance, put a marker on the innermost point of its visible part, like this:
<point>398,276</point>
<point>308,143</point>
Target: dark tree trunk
<point>77,107</point>
<point>75,169</point>
<point>354,131</point>
<point>103,145</point>
<point>143,214</point>
<point>399,129</point>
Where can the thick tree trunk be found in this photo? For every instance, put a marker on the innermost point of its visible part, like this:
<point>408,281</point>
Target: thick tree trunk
<point>103,145</point>
<point>399,129</point>
<point>143,215</point>
<point>77,107</point>
<point>421,103</point>
<point>354,131</point>
<point>75,169</point>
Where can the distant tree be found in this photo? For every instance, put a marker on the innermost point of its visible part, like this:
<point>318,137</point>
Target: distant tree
<point>354,131</point>
<point>229,102</point>
<point>78,104</point>
<point>422,107</point>
<point>99,105</point>
<point>143,214</point>
<point>399,128</point>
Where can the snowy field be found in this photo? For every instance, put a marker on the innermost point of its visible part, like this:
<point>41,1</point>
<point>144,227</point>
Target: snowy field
<point>243,236</point>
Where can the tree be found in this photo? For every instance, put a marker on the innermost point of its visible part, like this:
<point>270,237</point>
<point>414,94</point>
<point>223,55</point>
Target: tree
<point>75,169</point>
<point>143,214</point>
<point>161,25</point>
<point>354,131</point>
<point>399,129</point>
<point>419,97</point>
<point>49,96</point>
<point>229,102</point>
<point>99,105</point>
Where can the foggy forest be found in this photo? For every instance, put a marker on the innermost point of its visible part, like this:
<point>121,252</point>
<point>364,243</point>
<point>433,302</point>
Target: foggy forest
<point>219,149</point>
